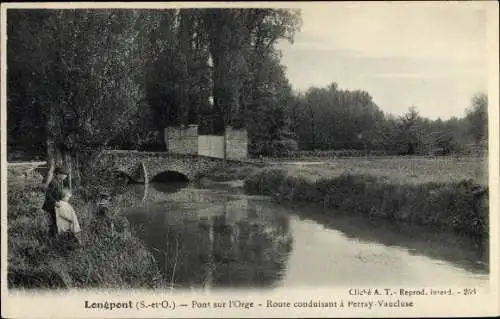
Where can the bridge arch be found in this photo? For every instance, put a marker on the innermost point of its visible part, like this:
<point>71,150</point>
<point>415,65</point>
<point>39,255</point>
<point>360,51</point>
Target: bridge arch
<point>169,176</point>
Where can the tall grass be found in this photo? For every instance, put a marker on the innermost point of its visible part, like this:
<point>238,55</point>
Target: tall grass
<point>452,206</point>
<point>405,170</point>
<point>230,173</point>
<point>105,260</point>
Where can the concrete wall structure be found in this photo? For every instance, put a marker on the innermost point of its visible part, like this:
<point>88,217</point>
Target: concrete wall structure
<point>211,145</point>
<point>187,141</point>
<point>236,143</point>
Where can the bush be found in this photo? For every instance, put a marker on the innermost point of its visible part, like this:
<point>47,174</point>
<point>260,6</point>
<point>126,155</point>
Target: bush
<point>273,148</point>
<point>265,182</point>
<point>105,260</point>
<point>455,205</point>
<point>318,154</point>
<point>230,174</point>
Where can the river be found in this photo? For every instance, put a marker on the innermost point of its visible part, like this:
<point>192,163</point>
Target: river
<point>209,238</point>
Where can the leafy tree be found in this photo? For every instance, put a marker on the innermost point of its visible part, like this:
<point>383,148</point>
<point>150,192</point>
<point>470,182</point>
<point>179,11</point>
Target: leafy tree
<point>410,132</point>
<point>329,118</point>
<point>241,45</point>
<point>477,118</point>
<point>101,77</point>
<point>86,74</point>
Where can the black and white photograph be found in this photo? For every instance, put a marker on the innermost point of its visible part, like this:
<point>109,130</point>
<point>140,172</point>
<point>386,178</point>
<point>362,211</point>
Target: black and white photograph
<point>260,148</point>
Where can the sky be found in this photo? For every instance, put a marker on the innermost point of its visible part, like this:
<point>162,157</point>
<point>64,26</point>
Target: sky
<point>426,55</point>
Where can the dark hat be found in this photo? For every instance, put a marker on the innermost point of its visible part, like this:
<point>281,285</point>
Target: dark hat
<point>61,170</point>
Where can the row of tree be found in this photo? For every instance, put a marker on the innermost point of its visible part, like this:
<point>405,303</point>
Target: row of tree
<point>329,119</point>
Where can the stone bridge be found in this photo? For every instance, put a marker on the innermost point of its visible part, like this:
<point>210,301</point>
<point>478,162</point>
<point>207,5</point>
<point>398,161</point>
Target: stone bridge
<point>137,165</point>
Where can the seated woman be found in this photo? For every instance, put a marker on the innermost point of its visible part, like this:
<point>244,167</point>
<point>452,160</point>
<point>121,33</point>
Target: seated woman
<point>68,228</point>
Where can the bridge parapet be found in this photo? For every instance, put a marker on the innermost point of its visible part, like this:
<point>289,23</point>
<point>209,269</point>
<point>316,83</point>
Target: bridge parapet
<point>189,165</point>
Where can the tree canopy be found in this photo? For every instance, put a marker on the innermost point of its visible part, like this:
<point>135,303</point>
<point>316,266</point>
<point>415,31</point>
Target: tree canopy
<point>89,79</point>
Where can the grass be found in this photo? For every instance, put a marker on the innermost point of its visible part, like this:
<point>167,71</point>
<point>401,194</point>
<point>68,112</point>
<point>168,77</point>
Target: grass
<point>400,170</point>
<point>231,173</point>
<point>424,192</point>
<point>397,170</point>
<point>105,260</point>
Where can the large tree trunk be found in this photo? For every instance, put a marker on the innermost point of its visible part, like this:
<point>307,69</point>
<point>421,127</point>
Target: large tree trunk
<point>58,155</point>
<point>54,155</point>
<point>50,173</point>
<point>67,162</point>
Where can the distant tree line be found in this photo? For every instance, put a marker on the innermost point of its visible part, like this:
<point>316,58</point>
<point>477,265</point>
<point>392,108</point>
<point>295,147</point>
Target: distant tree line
<point>332,119</point>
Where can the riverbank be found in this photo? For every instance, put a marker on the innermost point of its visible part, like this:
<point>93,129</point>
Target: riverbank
<point>430,193</point>
<point>105,260</point>
<point>449,193</point>
<point>460,206</point>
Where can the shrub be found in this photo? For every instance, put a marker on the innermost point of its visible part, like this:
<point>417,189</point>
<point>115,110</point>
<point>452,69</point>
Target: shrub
<point>266,182</point>
<point>230,174</point>
<point>106,259</point>
<point>453,205</point>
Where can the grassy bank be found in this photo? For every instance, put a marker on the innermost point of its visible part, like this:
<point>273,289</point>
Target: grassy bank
<point>399,169</point>
<point>449,205</point>
<point>231,173</point>
<point>105,260</point>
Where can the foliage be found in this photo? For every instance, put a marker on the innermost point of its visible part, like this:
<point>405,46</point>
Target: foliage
<point>233,173</point>
<point>449,205</point>
<point>83,69</point>
<point>83,80</point>
<point>477,118</point>
<point>264,182</point>
<point>82,65</point>
<point>331,119</point>
<point>106,260</point>
<point>229,55</point>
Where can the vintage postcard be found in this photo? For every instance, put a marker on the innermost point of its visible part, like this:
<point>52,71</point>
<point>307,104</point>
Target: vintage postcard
<point>249,159</point>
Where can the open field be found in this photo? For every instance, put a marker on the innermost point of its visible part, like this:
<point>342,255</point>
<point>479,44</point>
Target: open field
<point>405,170</point>
<point>397,169</point>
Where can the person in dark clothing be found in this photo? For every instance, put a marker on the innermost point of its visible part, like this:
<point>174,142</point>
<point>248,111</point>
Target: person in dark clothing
<point>53,194</point>
<point>103,213</point>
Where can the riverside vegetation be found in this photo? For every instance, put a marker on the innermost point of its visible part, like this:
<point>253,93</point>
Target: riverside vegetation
<point>105,260</point>
<point>412,194</point>
<point>444,196</point>
<point>450,193</point>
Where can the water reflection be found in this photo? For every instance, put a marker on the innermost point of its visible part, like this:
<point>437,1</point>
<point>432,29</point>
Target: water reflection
<point>209,238</point>
<point>229,244</point>
<point>169,188</point>
<point>442,245</point>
